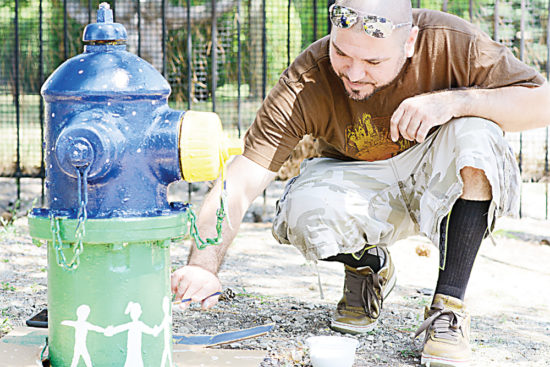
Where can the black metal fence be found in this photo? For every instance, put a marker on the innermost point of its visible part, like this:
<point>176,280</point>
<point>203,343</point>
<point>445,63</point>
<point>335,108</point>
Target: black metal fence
<point>218,55</point>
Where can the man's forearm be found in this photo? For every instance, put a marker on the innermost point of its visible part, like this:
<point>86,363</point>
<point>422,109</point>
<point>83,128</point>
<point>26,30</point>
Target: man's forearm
<point>512,108</point>
<point>211,257</point>
<point>245,181</point>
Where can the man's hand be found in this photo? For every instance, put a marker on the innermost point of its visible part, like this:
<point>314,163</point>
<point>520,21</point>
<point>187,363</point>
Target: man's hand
<point>415,116</point>
<point>197,284</point>
<point>245,180</point>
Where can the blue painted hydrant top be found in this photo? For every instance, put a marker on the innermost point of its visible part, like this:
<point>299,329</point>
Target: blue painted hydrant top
<point>108,122</point>
<point>105,69</point>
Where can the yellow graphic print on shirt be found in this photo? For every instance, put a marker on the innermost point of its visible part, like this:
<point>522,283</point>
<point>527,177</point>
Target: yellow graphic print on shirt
<point>371,142</point>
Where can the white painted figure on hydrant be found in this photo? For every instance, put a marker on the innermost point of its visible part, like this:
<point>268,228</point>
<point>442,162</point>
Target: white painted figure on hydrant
<point>81,328</point>
<point>135,328</point>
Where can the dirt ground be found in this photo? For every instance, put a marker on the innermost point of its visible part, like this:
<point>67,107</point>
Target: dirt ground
<point>508,296</point>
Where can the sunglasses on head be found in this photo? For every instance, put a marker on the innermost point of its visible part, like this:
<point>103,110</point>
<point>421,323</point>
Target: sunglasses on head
<point>374,26</point>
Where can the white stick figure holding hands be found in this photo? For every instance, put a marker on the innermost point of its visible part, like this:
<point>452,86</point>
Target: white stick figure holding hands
<point>135,330</point>
<point>81,327</point>
<point>166,325</point>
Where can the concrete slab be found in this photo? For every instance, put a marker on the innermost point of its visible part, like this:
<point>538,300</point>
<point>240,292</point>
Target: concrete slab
<point>23,347</point>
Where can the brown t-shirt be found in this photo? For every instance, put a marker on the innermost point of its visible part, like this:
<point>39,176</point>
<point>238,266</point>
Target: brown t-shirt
<point>310,98</point>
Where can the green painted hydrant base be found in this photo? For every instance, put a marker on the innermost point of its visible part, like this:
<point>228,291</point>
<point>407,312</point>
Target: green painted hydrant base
<point>114,309</point>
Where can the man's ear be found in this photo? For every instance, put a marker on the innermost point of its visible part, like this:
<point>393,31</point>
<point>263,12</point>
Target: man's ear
<point>411,42</point>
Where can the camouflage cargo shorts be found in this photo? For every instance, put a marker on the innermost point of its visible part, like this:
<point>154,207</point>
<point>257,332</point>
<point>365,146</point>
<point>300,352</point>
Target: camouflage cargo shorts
<point>338,206</point>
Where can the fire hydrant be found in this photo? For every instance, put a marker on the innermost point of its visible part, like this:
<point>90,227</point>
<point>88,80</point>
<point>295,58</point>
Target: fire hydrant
<point>112,147</point>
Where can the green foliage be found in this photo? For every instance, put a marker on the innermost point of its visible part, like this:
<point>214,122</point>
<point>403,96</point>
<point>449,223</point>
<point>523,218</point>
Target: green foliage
<point>7,222</point>
<point>5,286</point>
<point>509,26</point>
<point>229,40</point>
<point>407,353</point>
<point>5,325</point>
<point>279,38</point>
<point>29,42</point>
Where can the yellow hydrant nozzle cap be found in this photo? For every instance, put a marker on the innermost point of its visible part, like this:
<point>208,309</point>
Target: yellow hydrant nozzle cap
<point>234,148</point>
<point>204,148</point>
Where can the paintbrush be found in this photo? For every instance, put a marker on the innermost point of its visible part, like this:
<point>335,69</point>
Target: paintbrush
<point>189,299</point>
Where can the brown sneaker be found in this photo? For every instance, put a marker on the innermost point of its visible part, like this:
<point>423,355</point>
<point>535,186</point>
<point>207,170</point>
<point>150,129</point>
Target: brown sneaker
<point>364,292</point>
<point>447,340</point>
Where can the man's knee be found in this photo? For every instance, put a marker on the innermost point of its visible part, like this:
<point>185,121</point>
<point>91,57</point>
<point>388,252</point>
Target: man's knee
<point>480,137</point>
<point>475,126</point>
<point>476,185</point>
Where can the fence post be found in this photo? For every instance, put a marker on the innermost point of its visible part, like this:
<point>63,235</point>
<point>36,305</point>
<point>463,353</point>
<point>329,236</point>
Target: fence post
<point>17,99</point>
<point>138,10</point>
<point>264,52</point>
<point>189,77</point>
<point>546,173</point>
<point>163,15</point>
<point>41,103</point>
<point>288,33</point>
<point>65,32</point>
<point>521,57</point>
<point>496,21</point>
<point>315,36</point>
<point>239,70</point>
<point>214,55</point>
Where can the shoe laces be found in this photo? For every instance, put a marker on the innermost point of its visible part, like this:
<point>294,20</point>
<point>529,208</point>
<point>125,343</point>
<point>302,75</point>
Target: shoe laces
<point>371,300</point>
<point>445,322</point>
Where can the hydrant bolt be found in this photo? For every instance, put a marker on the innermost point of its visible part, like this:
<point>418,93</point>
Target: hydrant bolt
<point>82,153</point>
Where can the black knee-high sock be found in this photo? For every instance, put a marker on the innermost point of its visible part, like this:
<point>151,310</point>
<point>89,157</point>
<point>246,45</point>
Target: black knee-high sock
<point>368,256</point>
<point>465,230</point>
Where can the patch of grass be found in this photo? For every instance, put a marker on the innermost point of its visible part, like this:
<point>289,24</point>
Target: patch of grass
<point>407,353</point>
<point>6,286</point>
<point>5,325</point>
<point>424,301</point>
<point>35,288</point>
<point>7,220</point>
<point>5,260</point>
<point>262,298</point>
<point>505,233</point>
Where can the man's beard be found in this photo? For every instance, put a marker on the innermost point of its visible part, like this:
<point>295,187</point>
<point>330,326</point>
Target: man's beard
<point>355,94</point>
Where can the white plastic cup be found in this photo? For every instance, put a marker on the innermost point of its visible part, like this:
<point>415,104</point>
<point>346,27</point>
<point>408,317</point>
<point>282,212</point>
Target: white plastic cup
<point>332,351</point>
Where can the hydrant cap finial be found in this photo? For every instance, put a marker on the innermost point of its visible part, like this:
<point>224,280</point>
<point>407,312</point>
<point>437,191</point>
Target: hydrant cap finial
<point>105,30</point>
<point>104,13</point>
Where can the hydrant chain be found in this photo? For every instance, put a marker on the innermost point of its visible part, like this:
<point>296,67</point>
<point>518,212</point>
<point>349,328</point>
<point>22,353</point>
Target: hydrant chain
<point>194,232</point>
<point>82,216</point>
<point>58,246</point>
<point>82,186</point>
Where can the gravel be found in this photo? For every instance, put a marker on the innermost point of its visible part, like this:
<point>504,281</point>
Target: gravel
<point>270,283</point>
